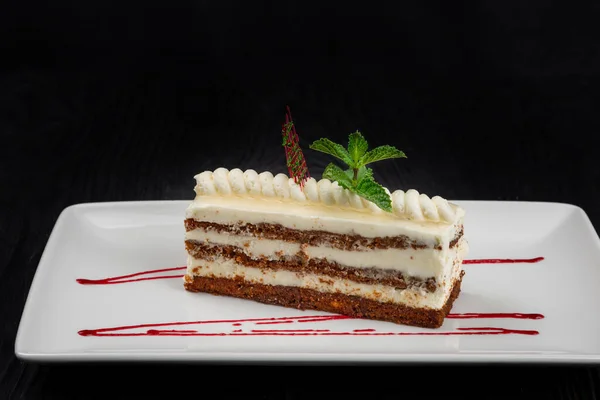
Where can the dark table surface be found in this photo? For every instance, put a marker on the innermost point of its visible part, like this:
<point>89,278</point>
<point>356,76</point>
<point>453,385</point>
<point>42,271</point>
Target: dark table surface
<point>105,103</point>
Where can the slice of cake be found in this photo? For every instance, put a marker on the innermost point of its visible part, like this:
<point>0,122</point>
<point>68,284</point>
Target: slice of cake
<point>343,244</point>
<point>319,246</point>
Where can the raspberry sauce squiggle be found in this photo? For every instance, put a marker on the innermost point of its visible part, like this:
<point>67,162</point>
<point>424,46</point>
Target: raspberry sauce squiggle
<point>248,327</point>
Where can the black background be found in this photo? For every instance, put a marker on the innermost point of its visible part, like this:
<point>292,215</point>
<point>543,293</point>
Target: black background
<point>113,101</point>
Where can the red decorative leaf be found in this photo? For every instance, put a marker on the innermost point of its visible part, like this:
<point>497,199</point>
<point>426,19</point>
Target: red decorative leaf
<point>293,153</point>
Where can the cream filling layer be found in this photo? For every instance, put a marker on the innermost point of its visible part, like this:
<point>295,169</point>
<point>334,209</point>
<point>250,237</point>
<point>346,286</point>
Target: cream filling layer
<point>222,267</point>
<point>320,217</point>
<point>420,263</point>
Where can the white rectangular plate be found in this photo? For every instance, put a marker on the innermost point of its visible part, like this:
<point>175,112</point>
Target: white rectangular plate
<point>544,311</point>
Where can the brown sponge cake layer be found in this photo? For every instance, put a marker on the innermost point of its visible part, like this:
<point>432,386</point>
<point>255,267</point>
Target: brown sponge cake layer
<point>314,238</point>
<point>302,264</point>
<point>309,299</point>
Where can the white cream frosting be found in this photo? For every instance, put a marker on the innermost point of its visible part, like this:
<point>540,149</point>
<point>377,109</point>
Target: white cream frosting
<point>410,205</point>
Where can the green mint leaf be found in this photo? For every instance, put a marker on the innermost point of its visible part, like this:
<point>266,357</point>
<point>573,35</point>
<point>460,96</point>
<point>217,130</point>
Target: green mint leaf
<point>381,153</point>
<point>357,146</point>
<point>372,191</point>
<point>327,146</point>
<point>336,174</point>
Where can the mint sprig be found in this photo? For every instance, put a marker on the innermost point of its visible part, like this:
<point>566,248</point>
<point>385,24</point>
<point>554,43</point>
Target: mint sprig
<point>358,178</point>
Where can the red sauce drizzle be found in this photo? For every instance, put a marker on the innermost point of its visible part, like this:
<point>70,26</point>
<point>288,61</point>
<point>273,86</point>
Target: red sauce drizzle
<point>238,332</point>
<point>288,330</point>
<point>125,278</point>
<point>151,329</point>
<point>274,322</point>
<point>495,316</point>
<point>504,260</point>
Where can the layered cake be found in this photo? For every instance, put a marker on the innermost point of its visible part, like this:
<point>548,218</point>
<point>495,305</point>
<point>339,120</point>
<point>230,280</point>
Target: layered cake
<point>318,245</point>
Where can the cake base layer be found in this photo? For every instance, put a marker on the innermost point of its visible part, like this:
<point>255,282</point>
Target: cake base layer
<point>309,299</point>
